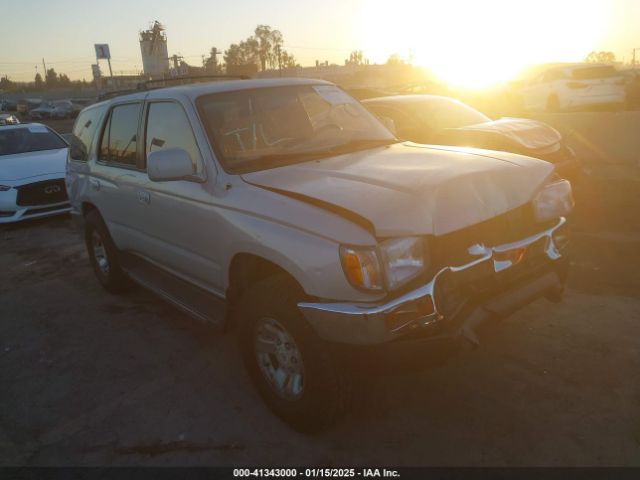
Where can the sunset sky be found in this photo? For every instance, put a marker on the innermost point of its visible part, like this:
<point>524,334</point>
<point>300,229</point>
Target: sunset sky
<point>491,38</point>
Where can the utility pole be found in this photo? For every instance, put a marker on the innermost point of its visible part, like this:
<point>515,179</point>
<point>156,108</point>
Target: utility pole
<point>44,65</point>
<point>214,56</point>
<point>633,61</point>
<point>278,51</point>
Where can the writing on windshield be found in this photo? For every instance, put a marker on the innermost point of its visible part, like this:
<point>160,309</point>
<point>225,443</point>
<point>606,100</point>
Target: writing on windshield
<point>289,123</point>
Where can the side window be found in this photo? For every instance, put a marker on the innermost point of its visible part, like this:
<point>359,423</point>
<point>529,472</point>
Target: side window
<point>120,136</point>
<point>400,120</point>
<point>168,127</point>
<point>84,130</point>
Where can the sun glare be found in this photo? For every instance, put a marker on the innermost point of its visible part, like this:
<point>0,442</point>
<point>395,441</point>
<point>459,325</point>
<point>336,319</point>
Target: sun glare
<point>481,43</point>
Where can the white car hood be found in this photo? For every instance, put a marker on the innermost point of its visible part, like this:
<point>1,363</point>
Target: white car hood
<point>32,164</point>
<point>410,189</point>
<point>529,134</point>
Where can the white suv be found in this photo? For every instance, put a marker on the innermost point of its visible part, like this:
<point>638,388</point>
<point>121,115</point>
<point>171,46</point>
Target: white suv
<point>282,206</point>
<point>573,87</point>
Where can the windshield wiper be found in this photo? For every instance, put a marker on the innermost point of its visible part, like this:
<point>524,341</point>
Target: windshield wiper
<point>280,159</point>
<point>361,144</point>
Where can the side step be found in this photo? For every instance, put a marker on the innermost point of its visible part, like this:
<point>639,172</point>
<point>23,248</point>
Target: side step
<point>191,299</point>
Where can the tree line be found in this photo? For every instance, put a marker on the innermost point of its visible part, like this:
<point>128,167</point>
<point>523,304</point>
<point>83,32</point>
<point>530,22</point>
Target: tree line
<point>259,52</point>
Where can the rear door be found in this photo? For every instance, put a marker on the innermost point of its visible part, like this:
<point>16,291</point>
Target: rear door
<point>117,175</point>
<point>597,81</point>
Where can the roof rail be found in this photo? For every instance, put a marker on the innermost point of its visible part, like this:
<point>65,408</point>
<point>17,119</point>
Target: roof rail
<point>116,93</point>
<point>153,84</point>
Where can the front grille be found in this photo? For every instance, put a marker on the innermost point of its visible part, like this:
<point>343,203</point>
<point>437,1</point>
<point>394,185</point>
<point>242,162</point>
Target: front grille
<point>42,193</point>
<point>452,249</point>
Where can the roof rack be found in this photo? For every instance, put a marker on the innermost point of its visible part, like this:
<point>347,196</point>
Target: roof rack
<point>116,93</point>
<point>162,82</point>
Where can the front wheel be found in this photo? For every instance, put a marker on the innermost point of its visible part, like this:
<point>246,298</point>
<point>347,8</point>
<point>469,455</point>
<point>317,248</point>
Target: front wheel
<point>290,365</point>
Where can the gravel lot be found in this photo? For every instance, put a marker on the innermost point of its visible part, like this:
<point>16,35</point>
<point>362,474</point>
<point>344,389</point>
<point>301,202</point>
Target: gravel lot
<point>89,378</point>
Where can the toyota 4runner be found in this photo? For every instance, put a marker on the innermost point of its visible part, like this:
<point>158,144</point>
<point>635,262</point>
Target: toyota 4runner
<point>282,206</point>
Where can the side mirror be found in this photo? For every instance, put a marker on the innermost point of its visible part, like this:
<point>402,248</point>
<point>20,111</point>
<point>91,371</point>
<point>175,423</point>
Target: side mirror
<point>169,164</point>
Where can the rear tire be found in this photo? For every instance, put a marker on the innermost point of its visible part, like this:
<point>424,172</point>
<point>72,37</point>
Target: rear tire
<point>289,364</point>
<point>103,254</point>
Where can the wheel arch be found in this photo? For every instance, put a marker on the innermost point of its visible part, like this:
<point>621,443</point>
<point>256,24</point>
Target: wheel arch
<point>246,269</point>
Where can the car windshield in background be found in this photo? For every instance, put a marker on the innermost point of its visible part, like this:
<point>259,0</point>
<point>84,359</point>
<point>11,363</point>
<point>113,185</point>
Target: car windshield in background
<point>30,138</point>
<point>590,73</point>
<point>268,127</point>
<point>445,113</point>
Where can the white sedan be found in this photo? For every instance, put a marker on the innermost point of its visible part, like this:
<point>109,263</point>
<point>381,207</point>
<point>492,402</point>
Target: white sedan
<point>32,171</point>
<point>573,87</point>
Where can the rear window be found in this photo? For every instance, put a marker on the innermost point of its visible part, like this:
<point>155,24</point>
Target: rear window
<point>30,138</point>
<point>590,73</point>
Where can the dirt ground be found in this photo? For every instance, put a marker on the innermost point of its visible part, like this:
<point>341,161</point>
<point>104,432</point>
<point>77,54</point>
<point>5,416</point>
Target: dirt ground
<point>89,378</point>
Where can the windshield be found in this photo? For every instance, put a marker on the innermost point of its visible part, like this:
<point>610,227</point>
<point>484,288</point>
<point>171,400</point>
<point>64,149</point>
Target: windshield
<point>268,127</point>
<point>444,113</point>
<point>30,138</point>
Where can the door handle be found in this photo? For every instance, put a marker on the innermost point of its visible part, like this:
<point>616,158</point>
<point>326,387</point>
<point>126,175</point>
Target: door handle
<point>144,197</point>
<point>95,184</point>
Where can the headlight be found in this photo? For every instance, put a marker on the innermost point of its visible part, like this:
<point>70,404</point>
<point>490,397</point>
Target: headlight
<point>398,260</point>
<point>403,260</point>
<point>553,201</point>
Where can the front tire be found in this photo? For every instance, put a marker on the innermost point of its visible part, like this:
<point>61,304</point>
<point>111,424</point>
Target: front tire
<point>103,254</point>
<point>290,365</point>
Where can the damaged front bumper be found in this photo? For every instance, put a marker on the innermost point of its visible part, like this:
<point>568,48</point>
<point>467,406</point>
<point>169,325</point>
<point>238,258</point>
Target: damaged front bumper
<point>458,299</point>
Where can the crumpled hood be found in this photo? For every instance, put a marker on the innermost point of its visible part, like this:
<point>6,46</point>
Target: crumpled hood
<point>411,189</point>
<point>32,164</point>
<point>528,134</point>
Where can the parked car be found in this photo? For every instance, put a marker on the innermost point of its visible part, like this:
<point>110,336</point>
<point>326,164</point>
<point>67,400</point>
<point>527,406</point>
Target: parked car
<point>436,120</point>
<point>632,88</point>
<point>283,207</point>
<point>8,119</point>
<point>32,171</point>
<point>574,87</point>
<point>8,106</point>
<point>64,109</point>
<point>24,106</point>
<point>42,111</point>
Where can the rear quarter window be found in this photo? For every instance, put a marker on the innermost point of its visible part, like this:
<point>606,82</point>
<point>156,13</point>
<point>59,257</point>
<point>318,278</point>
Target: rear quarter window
<point>85,128</point>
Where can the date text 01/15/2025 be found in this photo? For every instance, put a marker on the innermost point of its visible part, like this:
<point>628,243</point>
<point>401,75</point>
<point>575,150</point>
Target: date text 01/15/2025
<point>316,472</point>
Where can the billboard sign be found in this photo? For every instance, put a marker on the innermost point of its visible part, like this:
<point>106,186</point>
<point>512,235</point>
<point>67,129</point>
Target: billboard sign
<point>102,51</point>
<point>95,69</point>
